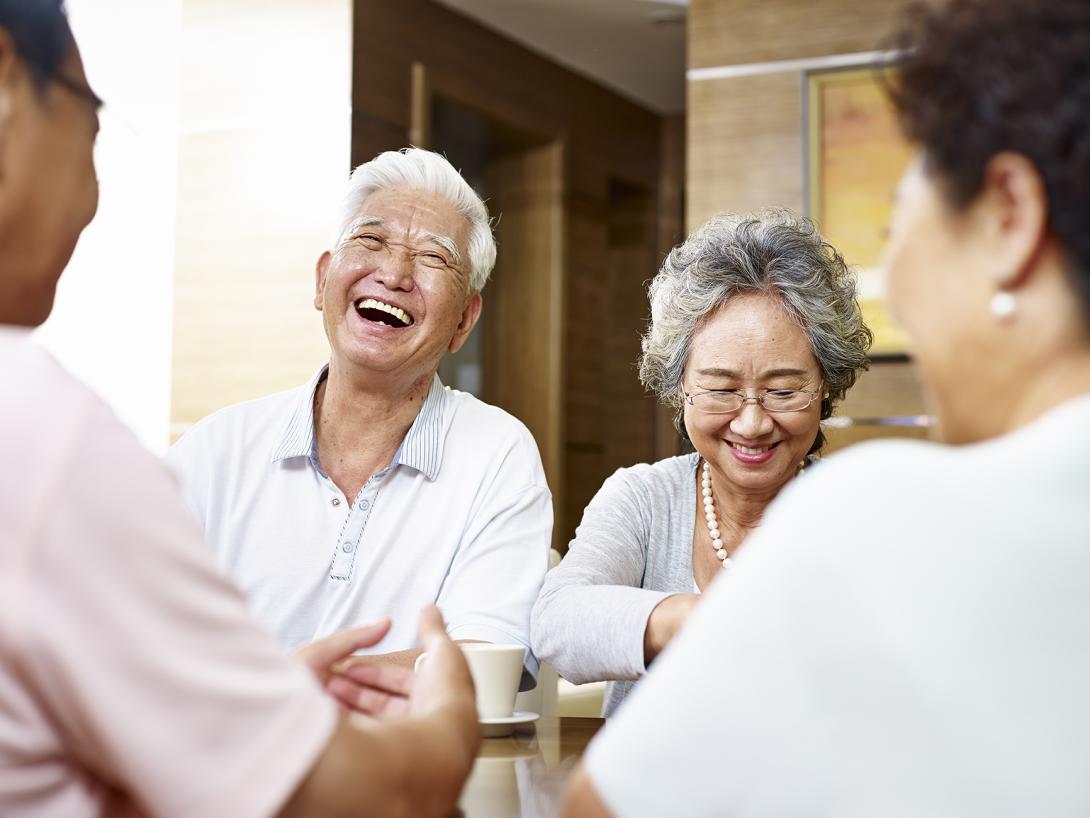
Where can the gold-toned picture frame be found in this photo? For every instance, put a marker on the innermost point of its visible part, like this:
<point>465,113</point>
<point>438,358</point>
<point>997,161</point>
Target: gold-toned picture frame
<point>854,157</point>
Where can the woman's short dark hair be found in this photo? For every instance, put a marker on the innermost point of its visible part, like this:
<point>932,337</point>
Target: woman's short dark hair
<point>41,34</point>
<point>975,78</point>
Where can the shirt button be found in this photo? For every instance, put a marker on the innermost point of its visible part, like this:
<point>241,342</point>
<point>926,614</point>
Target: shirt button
<point>347,548</point>
<point>363,505</point>
<point>336,501</point>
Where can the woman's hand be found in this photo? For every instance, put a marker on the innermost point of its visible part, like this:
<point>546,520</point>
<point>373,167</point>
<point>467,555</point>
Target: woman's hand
<point>442,685</point>
<point>372,691</point>
<point>413,765</point>
<point>665,621</point>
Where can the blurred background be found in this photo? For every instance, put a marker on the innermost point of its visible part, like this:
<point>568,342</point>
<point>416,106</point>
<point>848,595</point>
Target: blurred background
<point>599,132</point>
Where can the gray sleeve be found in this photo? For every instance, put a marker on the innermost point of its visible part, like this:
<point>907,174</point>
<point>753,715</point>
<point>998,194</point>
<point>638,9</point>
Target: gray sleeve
<point>590,618</point>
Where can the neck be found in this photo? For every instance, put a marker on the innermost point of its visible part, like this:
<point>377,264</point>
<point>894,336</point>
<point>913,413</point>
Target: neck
<point>1022,372</point>
<point>1056,382</point>
<point>1021,368</point>
<point>742,508</point>
<point>359,424</point>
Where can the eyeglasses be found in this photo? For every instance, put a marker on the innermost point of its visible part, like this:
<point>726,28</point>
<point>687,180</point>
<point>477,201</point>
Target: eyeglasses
<point>725,401</point>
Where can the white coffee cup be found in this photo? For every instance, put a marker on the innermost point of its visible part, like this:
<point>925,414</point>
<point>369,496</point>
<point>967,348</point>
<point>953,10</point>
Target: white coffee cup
<point>496,671</point>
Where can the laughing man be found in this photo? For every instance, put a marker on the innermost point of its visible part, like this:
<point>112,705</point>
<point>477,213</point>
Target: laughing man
<point>372,489</point>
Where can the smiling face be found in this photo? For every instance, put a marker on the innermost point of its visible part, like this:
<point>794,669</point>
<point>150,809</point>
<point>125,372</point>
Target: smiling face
<point>750,344</point>
<point>395,292</point>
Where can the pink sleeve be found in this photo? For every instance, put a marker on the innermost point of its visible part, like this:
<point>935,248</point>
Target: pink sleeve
<point>144,656</point>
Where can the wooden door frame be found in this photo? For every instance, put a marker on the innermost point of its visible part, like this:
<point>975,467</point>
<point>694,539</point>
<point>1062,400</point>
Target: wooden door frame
<point>547,335</point>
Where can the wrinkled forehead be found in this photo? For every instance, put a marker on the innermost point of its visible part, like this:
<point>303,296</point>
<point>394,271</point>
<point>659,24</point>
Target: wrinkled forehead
<point>412,212</point>
<point>751,334</point>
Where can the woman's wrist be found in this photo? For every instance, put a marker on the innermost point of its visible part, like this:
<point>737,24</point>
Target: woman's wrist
<point>666,619</point>
<point>657,632</point>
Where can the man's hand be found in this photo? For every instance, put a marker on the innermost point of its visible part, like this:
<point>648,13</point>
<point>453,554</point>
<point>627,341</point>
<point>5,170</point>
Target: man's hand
<point>664,623</point>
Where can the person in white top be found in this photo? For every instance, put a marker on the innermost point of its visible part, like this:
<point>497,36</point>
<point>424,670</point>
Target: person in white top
<point>909,632</point>
<point>132,681</point>
<point>372,489</point>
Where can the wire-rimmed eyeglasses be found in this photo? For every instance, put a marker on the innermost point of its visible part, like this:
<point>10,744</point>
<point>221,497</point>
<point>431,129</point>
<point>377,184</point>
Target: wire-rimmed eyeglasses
<point>725,401</point>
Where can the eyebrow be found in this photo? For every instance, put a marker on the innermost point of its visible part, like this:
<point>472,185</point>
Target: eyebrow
<point>441,242</point>
<point>356,224</point>
<point>446,244</point>
<point>772,373</point>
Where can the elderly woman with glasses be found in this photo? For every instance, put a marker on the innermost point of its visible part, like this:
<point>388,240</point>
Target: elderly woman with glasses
<point>755,336</point>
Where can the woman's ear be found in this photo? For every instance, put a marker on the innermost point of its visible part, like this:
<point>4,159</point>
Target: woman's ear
<point>1013,205</point>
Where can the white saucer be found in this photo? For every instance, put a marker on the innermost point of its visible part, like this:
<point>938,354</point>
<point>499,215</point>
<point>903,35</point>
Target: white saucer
<point>493,728</point>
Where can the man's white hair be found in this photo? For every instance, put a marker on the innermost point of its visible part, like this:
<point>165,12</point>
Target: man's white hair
<point>426,170</point>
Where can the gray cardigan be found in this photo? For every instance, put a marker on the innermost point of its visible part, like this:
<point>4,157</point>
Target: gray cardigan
<point>632,549</point>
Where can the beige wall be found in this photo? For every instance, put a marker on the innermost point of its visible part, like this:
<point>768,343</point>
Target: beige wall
<point>263,157</point>
<point>745,137</point>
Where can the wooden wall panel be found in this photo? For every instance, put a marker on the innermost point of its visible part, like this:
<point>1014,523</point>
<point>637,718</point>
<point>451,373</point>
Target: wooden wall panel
<point>888,388</point>
<point>745,139</point>
<point>671,214</point>
<point>478,68</point>
<point>729,32</point>
<point>524,346</point>
<point>745,145</point>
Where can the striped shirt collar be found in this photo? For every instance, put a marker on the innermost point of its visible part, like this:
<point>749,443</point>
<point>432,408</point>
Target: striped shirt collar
<point>422,448</point>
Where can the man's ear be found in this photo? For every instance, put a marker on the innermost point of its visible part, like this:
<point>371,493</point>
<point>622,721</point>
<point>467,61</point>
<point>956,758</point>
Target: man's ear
<point>470,315</point>
<point>1013,204</point>
<point>320,271</point>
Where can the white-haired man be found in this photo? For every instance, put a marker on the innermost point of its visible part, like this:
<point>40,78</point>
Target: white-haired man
<point>372,489</point>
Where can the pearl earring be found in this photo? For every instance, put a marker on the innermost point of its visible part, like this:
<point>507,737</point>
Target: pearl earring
<point>1002,305</point>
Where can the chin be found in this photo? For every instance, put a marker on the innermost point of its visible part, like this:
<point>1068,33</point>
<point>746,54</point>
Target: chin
<point>35,315</point>
<point>766,476</point>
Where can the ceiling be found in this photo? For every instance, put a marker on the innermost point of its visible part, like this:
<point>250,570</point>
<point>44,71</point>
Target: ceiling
<point>635,47</point>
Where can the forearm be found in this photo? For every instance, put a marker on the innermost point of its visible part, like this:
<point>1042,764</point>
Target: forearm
<point>593,632</point>
<point>659,631</point>
<point>406,767</point>
<point>666,619</point>
<point>398,658</point>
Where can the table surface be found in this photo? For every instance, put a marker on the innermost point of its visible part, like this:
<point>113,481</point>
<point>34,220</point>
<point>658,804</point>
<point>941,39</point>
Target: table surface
<point>523,775</point>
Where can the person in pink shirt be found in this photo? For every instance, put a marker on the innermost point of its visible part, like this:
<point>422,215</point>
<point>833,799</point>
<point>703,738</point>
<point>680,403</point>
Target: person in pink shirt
<point>131,680</point>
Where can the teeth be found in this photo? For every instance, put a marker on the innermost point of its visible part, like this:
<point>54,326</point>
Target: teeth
<point>396,312</point>
<point>748,450</point>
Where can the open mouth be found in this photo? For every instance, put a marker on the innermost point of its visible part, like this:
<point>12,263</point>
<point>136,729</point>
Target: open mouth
<point>371,309</point>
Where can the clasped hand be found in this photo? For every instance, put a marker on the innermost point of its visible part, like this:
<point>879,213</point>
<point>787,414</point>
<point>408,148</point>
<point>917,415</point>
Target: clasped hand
<point>385,691</point>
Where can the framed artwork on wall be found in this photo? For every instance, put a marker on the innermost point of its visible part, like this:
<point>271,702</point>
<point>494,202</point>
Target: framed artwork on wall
<point>854,157</point>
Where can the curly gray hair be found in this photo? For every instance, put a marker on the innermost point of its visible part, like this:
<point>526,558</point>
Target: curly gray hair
<point>773,251</point>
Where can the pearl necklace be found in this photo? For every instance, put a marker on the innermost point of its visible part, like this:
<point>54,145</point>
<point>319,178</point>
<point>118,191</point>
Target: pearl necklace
<point>713,520</point>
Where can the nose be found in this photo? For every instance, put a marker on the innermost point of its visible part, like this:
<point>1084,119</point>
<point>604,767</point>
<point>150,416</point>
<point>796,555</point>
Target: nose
<point>396,270</point>
<point>751,421</point>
